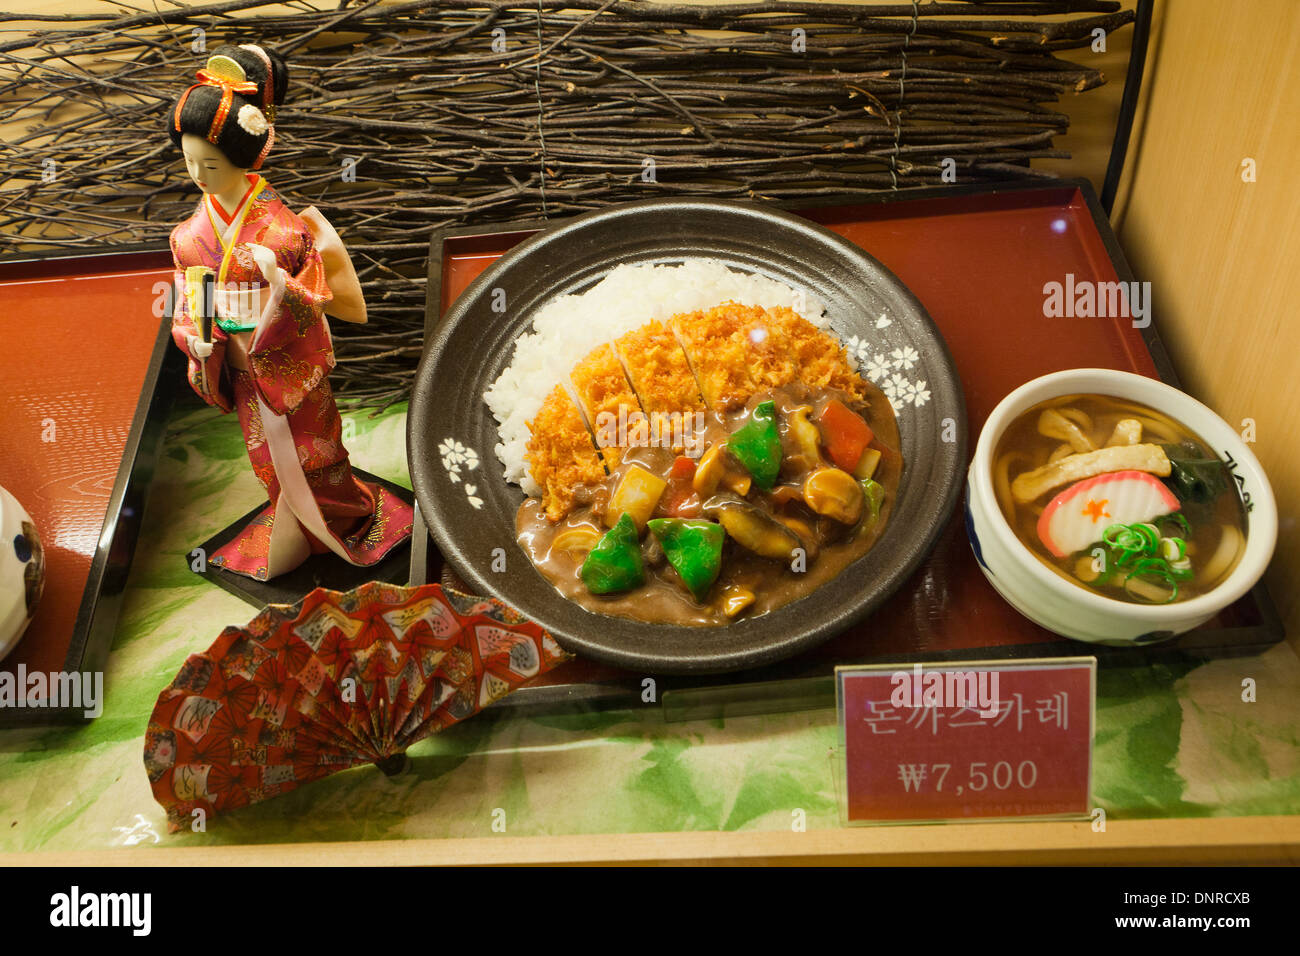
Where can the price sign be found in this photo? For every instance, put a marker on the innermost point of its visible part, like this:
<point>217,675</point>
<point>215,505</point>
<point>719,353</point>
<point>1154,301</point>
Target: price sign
<point>965,741</point>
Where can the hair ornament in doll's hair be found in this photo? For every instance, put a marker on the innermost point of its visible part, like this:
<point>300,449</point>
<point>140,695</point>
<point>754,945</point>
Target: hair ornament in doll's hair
<point>225,74</point>
<point>268,88</point>
<point>227,70</point>
<point>236,84</point>
<point>251,120</point>
<point>270,141</point>
<point>267,124</point>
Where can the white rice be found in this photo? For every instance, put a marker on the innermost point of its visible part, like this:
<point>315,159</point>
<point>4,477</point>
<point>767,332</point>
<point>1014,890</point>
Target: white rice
<point>566,328</point>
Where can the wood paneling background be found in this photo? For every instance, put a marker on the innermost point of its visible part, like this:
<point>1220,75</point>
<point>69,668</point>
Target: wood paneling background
<point>1223,84</point>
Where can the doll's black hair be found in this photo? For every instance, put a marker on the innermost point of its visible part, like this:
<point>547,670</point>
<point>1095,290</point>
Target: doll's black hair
<point>200,106</point>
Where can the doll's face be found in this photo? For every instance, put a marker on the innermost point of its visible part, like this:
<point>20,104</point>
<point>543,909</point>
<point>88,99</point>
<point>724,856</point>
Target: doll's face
<point>209,168</point>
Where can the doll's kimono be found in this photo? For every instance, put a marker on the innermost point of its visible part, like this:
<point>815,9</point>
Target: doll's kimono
<point>276,378</point>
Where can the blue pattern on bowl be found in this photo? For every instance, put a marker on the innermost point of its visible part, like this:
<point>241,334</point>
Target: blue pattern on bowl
<point>973,537</point>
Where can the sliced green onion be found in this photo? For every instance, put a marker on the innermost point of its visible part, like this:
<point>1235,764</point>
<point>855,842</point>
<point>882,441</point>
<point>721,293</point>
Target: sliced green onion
<point>1149,533</point>
<point>1113,533</point>
<point>1173,549</point>
<point>1130,542</point>
<point>1180,520</point>
<point>1154,572</point>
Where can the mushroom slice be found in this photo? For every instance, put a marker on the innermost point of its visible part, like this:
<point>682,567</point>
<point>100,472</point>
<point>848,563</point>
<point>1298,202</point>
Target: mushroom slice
<point>1055,425</point>
<point>735,599</point>
<point>1128,431</point>
<point>753,528</point>
<point>718,467</point>
<point>835,494</point>
<point>1032,484</point>
<point>805,437</point>
<point>576,540</point>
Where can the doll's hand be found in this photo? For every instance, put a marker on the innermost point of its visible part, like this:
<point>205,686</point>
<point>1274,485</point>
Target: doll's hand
<point>198,348</point>
<point>265,260</point>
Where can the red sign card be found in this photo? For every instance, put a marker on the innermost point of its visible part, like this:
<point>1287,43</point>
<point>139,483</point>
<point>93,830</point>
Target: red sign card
<point>964,741</point>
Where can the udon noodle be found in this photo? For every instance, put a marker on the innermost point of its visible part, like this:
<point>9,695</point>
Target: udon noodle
<point>1119,498</point>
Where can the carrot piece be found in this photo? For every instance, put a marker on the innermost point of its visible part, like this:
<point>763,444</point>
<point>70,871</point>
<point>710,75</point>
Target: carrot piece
<point>683,467</point>
<point>680,501</point>
<point>847,435</point>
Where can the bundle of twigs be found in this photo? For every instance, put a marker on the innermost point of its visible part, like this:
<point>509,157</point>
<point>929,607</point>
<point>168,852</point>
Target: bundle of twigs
<point>407,116</point>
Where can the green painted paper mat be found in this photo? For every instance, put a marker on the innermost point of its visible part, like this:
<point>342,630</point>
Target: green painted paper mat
<point>1173,739</point>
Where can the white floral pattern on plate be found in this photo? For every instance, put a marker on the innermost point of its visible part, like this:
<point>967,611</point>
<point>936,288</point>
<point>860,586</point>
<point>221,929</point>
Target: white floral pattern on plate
<point>884,367</point>
<point>455,457</point>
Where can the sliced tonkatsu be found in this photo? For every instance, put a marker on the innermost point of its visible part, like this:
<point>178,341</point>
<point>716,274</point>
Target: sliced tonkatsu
<point>658,369</point>
<point>718,353</point>
<point>715,359</point>
<point>560,455</point>
<point>661,377</point>
<point>737,351</point>
<point>603,389</point>
<point>820,360</point>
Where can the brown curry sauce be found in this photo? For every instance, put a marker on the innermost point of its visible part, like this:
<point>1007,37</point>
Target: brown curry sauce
<point>663,598</point>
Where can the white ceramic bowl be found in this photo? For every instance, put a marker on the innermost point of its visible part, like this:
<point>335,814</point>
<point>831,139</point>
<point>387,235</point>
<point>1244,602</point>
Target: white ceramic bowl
<point>1048,599</point>
<point>22,571</point>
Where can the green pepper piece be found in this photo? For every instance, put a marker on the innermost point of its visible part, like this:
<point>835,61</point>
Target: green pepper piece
<point>615,563</point>
<point>875,493</point>
<point>693,548</point>
<point>757,445</point>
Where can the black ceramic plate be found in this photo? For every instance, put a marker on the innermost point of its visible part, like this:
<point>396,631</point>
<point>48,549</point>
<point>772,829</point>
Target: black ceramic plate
<point>471,509</point>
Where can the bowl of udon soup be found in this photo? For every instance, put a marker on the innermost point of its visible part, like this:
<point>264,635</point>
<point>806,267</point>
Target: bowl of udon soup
<point>1114,509</point>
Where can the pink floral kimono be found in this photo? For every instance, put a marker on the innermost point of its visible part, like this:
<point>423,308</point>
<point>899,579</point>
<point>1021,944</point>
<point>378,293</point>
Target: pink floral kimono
<point>286,409</point>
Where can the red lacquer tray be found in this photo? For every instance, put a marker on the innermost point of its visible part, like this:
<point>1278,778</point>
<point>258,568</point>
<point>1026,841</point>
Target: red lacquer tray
<point>84,339</point>
<point>977,258</point>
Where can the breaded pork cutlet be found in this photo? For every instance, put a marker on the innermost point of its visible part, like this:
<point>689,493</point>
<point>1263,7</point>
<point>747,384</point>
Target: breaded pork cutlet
<point>719,354</point>
<point>602,388</point>
<point>821,361</point>
<point>768,358</point>
<point>660,375</point>
<point>560,454</point>
<point>719,357</point>
<point>738,350</point>
<point>658,369</point>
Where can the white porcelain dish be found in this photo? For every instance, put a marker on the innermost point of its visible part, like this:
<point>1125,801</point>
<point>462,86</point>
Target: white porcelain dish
<point>1074,611</point>
<point>22,571</point>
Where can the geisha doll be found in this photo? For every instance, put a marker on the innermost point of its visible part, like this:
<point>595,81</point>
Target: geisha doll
<point>264,350</point>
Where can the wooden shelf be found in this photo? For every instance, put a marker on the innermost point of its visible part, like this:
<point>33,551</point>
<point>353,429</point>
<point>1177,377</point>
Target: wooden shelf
<point>1214,840</point>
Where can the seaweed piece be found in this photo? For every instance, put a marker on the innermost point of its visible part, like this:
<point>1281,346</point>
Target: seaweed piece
<point>1195,476</point>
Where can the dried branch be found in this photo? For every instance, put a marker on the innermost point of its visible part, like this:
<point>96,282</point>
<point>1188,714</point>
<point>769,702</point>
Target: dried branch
<point>474,111</point>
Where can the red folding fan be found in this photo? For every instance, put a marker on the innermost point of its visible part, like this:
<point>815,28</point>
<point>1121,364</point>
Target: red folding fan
<point>340,679</point>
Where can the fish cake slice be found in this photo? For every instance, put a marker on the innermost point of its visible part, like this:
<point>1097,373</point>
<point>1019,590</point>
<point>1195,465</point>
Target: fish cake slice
<point>603,389</point>
<point>560,455</point>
